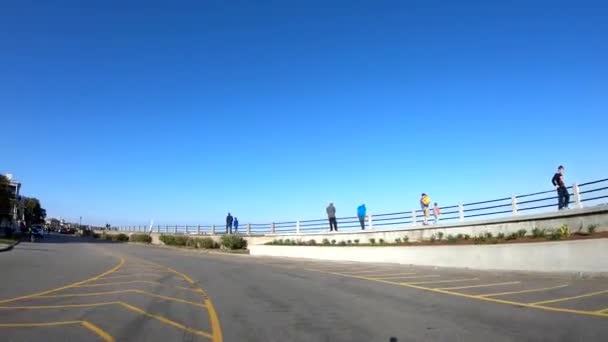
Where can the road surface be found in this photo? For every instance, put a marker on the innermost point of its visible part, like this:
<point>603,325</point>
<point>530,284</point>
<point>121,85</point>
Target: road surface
<point>70,289</point>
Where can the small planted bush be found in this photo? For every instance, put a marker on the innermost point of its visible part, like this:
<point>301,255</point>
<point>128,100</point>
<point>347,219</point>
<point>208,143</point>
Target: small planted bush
<point>207,243</point>
<point>312,242</point>
<point>191,242</point>
<point>467,236</point>
<point>512,236</point>
<point>142,238</point>
<point>440,236</point>
<point>451,238</point>
<point>522,233</point>
<point>381,241</point>
<point>500,236</point>
<point>341,243</point>
<point>372,241</point>
<point>591,228</point>
<point>333,242</point>
<point>538,233</point>
<point>488,235</point>
<point>553,235</point>
<point>398,240</point>
<point>356,241</point>
<point>406,239</point>
<point>459,236</point>
<point>120,237</point>
<point>564,231</point>
<point>350,242</point>
<point>233,242</point>
<point>325,242</point>
<point>433,238</point>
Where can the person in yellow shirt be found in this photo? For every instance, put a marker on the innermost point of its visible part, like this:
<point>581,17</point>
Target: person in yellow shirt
<point>424,205</point>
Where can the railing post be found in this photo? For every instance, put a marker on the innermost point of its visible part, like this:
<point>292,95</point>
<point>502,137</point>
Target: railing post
<point>577,196</point>
<point>272,228</point>
<point>187,229</point>
<point>158,229</point>
<point>175,229</point>
<point>212,229</point>
<point>166,228</point>
<point>298,227</point>
<point>414,219</point>
<point>461,212</point>
<point>514,204</point>
<point>370,221</point>
<point>248,228</point>
<point>198,230</point>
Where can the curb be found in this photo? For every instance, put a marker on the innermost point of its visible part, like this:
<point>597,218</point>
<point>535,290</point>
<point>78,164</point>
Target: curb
<point>191,250</point>
<point>9,247</point>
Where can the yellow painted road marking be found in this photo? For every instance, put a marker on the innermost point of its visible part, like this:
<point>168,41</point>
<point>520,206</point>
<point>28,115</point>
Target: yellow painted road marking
<point>444,281</point>
<point>486,299</point>
<point>135,275</point>
<point>569,298</point>
<point>384,274</point>
<point>412,277</point>
<point>603,311</point>
<point>480,285</point>
<point>110,271</point>
<point>523,291</point>
<point>371,271</point>
<point>123,283</point>
<point>122,292</point>
<point>125,305</point>
<point>65,306</point>
<point>88,325</point>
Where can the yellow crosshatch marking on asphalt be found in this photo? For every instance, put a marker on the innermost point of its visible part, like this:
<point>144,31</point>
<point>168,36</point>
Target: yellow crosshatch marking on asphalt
<point>522,291</point>
<point>215,335</point>
<point>88,325</point>
<point>371,271</point>
<point>444,281</point>
<point>481,285</point>
<point>569,298</point>
<point>123,291</point>
<point>383,276</point>
<point>479,297</point>
<point>408,277</point>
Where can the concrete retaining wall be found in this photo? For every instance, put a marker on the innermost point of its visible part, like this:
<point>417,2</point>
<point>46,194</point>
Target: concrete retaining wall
<point>575,219</point>
<point>560,256</point>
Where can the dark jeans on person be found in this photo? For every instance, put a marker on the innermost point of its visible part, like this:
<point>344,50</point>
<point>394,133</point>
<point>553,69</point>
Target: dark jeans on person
<point>228,228</point>
<point>333,224</point>
<point>563,198</point>
<point>362,221</point>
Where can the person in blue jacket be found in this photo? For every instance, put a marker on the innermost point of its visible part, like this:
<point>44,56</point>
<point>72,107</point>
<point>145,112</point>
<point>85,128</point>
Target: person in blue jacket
<point>361,212</point>
<point>236,225</point>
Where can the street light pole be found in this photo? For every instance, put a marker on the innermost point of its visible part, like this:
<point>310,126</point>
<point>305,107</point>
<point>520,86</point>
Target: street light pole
<point>80,223</point>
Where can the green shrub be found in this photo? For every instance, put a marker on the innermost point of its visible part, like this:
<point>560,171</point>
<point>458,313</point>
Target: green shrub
<point>564,231</point>
<point>451,238</point>
<point>500,236</point>
<point>467,236</point>
<point>512,236</point>
<point>433,238</point>
<point>591,228</point>
<point>207,243</point>
<point>398,240</point>
<point>167,239</point>
<point>381,241</point>
<point>333,242</point>
<point>312,242</point>
<point>232,241</point>
<point>538,233</point>
<point>439,236</point>
<point>459,236</point>
<point>341,243</point>
<point>356,241</point>
<point>120,237</point>
<point>372,241</point>
<point>142,238</point>
<point>287,242</point>
<point>553,235</point>
<point>406,239</point>
<point>325,242</point>
<point>349,242</point>
<point>489,235</point>
<point>191,242</point>
<point>180,240</point>
<point>522,233</point>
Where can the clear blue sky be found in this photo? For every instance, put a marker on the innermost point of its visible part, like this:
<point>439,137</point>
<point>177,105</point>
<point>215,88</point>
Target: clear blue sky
<point>183,111</point>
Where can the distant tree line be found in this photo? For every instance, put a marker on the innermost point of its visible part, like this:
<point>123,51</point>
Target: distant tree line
<point>33,213</point>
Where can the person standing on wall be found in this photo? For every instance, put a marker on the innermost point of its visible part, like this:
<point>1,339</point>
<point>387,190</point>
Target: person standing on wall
<point>236,225</point>
<point>331,215</point>
<point>229,220</point>
<point>361,212</point>
<point>563,197</point>
<point>424,205</point>
<point>436,212</point>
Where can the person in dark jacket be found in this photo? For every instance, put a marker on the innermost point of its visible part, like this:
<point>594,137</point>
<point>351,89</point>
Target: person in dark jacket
<point>563,197</point>
<point>229,220</point>
<point>361,212</point>
<point>236,225</point>
<point>331,215</point>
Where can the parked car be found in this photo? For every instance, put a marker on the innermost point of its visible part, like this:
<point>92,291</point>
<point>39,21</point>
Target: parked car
<point>38,231</point>
<point>67,230</point>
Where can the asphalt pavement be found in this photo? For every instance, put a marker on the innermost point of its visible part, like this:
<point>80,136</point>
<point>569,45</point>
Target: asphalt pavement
<point>67,288</point>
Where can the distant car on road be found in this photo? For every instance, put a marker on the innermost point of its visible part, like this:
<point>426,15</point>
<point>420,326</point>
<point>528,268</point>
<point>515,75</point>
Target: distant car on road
<point>67,230</point>
<point>38,231</point>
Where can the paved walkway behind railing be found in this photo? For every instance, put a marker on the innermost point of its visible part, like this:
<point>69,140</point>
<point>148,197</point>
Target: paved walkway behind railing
<point>585,194</point>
